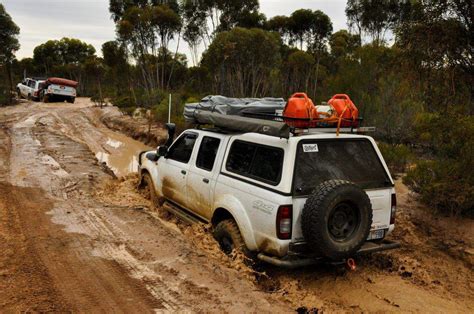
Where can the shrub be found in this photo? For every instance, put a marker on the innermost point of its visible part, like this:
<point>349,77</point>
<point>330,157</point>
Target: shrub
<point>443,185</point>
<point>397,157</point>
<point>447,181</point>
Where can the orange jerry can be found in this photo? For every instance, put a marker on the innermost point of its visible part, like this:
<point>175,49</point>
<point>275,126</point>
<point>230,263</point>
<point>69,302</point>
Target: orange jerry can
<point>346,109</point>
<point>300,111</point>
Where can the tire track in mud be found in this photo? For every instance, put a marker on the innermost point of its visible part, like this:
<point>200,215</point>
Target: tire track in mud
<point>111,258</point>
<point>101,255</point>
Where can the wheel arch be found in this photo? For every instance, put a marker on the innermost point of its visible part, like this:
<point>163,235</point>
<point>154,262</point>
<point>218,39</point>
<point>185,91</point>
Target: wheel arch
<point>228,207</point>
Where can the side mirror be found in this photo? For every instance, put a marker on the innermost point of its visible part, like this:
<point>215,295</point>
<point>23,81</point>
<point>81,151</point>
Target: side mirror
<point>171,127</point>
<point>162,151</point>
<point>152,157</point>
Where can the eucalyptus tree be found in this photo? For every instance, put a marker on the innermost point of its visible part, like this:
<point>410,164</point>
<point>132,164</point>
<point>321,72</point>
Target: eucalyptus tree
<point>241,61</point>
<point>373,17</point>
<point>281,25</point>
<point>8,44</point>
<point>147,30</point>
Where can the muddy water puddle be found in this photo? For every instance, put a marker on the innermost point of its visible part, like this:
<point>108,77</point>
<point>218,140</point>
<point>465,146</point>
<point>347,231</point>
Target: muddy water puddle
<point>120,153</point>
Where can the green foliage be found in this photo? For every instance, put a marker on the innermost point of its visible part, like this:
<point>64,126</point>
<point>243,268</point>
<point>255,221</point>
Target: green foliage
<point>445,182</point>
<point>397,156</point>
<point>343,43</point>
<point>373,17</point>
<point>8,46</point>
<point>63,53</point>
<point>8,36</point>
<point>240,60</point>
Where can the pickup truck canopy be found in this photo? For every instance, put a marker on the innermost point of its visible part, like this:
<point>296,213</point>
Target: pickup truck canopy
<point>61,81</point>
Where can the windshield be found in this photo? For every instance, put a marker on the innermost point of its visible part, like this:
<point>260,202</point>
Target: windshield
<point>353,160</point>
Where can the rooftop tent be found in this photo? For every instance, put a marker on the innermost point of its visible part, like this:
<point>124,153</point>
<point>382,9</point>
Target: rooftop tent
<point>230,114</point>
<point>233,106</point>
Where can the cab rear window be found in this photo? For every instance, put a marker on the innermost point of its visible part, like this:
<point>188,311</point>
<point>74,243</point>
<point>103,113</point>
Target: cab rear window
<point>354,160</point>
<point>258,162</point>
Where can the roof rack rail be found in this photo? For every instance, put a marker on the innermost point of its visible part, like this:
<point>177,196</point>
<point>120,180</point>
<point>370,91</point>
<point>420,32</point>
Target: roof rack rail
<point>302,131</point>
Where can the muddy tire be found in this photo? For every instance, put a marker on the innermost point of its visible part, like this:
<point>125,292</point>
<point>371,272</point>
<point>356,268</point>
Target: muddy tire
<point>336,219</point>
<point>45,98</point>
<point>71,100</point>
<point>227,234</point>
<point>150,190</point>
<point>29,97</point>
<point>18,94</point>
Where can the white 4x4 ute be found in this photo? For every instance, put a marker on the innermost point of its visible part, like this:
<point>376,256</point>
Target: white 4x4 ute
<point>290,202</point>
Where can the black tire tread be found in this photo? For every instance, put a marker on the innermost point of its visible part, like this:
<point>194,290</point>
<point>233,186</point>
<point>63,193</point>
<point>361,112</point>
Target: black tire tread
<point>312,217</point>
<point>230,227</point>
<point>148,182</point>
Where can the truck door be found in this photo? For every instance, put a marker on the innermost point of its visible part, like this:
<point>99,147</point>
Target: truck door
<point>202,177</point>
<point>24,88</point>
<point>174,168</point>
<point>31,88</point>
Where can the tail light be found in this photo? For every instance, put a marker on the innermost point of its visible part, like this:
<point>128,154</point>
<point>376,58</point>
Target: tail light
<point>284,222</point>
<point>394,209</point>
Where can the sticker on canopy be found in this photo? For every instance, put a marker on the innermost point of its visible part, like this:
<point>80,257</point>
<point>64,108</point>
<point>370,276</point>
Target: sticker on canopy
<point>310,148</point>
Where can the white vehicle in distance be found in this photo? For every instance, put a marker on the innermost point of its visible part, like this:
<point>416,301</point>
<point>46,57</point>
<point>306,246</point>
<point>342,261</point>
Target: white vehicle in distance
<point>290,200</point>
<point>30,88</point>
<point>58,90</point>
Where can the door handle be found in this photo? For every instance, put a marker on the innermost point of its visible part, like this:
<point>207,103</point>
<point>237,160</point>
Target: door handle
<point>183,171</point>
<point>205,180</point>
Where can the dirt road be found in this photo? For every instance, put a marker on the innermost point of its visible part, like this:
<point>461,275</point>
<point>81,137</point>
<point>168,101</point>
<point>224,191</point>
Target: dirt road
<point>75,238</point>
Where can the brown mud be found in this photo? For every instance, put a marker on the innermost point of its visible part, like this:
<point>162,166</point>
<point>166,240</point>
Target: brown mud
<point>137,128</point>
<point>75,238</point>
<point>64,248</point>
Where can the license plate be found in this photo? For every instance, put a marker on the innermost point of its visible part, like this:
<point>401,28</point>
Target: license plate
<point>376,234</point>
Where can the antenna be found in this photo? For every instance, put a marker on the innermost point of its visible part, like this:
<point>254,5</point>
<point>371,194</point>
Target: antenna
<point>169,110</point>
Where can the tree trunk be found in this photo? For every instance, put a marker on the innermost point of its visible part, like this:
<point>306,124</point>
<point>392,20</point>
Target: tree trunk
<point>317,73</point>
<point>172,65</point>
<point>10,80</point>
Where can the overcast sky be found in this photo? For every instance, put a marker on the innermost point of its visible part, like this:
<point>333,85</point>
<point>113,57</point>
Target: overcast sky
<point>89,20</point>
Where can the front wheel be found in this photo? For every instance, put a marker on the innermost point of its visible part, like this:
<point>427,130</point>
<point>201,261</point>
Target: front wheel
<point>149,190</point>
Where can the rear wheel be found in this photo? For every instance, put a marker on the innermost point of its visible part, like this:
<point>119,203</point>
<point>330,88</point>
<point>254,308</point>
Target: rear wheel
<point>71,100</point>
<point>29,97</point>
<point>45,98</point>
<point>230,240</point>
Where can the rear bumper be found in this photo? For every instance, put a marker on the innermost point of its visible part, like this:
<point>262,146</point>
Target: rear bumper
<point>296,261</point>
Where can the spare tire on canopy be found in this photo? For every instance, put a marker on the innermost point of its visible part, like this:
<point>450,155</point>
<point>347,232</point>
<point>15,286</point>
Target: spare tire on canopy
<point>336,219</point>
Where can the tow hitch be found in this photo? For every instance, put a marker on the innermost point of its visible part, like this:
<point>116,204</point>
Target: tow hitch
<point>351,264</point>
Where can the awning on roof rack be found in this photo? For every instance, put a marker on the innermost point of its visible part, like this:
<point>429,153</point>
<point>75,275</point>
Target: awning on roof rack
<point>242,124</point>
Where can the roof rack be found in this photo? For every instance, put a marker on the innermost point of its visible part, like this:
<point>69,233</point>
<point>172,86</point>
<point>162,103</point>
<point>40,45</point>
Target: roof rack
<point>272,127</point>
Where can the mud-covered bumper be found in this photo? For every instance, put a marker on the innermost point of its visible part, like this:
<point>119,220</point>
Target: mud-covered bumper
<point>295,259</point>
